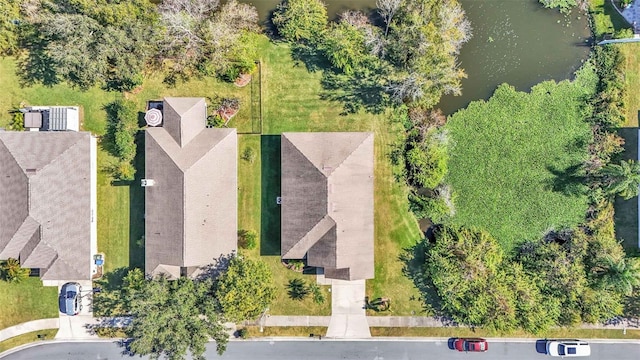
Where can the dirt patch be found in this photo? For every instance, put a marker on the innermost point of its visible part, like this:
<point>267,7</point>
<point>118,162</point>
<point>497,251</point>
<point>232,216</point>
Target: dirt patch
<point>242,80</point>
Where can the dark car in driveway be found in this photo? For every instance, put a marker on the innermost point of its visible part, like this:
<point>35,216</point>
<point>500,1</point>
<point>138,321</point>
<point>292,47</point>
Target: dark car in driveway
<point>70,300</point>
<point>471,344</point>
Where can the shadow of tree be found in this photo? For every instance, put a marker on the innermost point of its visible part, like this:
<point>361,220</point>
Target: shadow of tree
<point>569,181</point>
<point>310,57</point>
<point>361,90</point>
<point>413,260</point>
<point>109,302</point>
<point>216,268</point>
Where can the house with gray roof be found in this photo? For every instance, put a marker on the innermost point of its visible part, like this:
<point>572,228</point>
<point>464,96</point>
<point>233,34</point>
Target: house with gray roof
<point>48,202</point>
<point>327,202</point>
<point>190,189</point>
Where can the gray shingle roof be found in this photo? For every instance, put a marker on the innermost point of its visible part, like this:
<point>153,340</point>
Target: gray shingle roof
<point>191,210</point>
<point>45,202</point>
<point>327,202</point>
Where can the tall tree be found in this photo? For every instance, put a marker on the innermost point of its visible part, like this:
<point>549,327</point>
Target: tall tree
<point>301,20</point>
<point>387,9</point>
<point>173,317</point>
<point>622,179</point>
<point>245,289</point>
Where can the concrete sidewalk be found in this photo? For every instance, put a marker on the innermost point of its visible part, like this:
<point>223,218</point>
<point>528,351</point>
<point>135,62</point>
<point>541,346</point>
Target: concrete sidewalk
<point>30,326</point>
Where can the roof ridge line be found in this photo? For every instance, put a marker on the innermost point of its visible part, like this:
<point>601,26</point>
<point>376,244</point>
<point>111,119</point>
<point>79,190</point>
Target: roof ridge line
<point>305,157</point>
<point>75,144</point>
<point>351,153</point>
<point>324,219</point>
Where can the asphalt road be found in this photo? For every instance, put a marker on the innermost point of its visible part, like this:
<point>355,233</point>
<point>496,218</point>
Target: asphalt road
<point>331,350</point>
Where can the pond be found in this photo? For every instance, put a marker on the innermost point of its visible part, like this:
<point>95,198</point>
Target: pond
<point>514,41</point>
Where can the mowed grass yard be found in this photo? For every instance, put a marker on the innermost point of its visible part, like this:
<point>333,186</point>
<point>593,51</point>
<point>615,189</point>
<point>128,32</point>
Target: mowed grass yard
<point>291,102</point>
<point>511,159</point>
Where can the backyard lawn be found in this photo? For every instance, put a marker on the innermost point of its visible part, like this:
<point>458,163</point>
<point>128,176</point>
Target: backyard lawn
<point>512,158</point>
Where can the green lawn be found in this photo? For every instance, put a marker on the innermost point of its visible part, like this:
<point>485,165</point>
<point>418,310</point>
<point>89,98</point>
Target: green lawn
<point>560,333</point>
<point>16,341</point>
<point>511,159</point>
<point>26,301</point>
<point>631,54</point>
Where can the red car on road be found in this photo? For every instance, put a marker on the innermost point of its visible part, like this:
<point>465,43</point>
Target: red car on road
<point>471,344</point>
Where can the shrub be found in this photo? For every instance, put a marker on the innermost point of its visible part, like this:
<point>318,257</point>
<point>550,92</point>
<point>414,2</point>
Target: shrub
<point>247,239</point>
<point>426,165</point>
<point>316,290</point>
<point>423,206</point>
<point>243,333</point>
<point>298,289</point>
<point>122,126</point>
<point>17,121</point>
<point>249,155</point>
<point>11,271</point>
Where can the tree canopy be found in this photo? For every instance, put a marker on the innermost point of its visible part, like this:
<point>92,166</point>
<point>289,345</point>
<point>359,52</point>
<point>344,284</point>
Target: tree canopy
<point>245,289</point>
<point>173,317</point>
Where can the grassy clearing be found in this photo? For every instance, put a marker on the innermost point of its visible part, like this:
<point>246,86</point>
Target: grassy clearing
<point>511,160</point>
<point>27,338</point>
<point>303,331</point>
<point>26,301</point>
<point>631,54</point>
<point>561,333</point>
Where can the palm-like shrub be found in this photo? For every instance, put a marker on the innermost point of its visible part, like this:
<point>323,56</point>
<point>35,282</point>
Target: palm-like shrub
<point>12,271</point>
<point>622,179</point>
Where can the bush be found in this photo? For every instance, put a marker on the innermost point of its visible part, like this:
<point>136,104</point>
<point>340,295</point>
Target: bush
<point>249,155</point>
<point>243,333</point>
<point>17,121</point>
<point>316,290</point>
<point>11,271</point>
<point>247,239</point>
<point>298,289</point>
<point>435,209</point>
<point>426,165</point>
<point>301,20</point>
<point>122,127</point>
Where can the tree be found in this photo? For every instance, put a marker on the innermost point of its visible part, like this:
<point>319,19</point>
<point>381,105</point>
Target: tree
<point>621,275</point>
<point>245,289</point>
<point>301,20</point>
<point>426,164</point>
<point>173,317</point>
<point>9,20</point>
<point>11,271</point>
<point>122,127</point>
<point>466,269</point>
<point>87,43</point>
<point>205,38</point>
<point>387,9</point>
<point>622,179</point>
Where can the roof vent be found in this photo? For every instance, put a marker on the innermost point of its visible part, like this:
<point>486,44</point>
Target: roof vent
<point>153,117</point>
<point>147,182</point>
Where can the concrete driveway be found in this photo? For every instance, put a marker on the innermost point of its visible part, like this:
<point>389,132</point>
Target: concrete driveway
<point>348,317</point>
<point>76,327</point>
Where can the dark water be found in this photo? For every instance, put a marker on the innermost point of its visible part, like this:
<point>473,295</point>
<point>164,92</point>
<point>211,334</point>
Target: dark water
<point>514,41</point>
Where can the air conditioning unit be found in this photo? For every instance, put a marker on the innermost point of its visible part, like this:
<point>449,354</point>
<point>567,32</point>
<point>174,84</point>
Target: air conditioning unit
<point>147,182</point>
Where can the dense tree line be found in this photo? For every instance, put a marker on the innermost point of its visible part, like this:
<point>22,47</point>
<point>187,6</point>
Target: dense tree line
<point>407,57</point>
<point>110,43</point>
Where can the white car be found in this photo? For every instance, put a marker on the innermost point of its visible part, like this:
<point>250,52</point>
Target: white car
<point>568,348</point>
